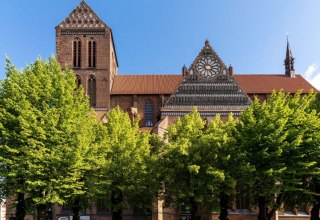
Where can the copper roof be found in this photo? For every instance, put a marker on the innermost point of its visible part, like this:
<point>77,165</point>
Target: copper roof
<point>167,84</point>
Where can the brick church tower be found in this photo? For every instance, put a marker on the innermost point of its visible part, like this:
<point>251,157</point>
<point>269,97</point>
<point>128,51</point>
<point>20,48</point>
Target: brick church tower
<point>85,44</point>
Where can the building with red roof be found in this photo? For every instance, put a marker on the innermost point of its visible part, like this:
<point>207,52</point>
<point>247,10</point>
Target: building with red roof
<point>85,44</point>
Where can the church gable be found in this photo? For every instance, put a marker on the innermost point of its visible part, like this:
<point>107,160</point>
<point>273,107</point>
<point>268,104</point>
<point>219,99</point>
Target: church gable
<point>207,61</point>
<point>82,17</point>
<point>208,85</point>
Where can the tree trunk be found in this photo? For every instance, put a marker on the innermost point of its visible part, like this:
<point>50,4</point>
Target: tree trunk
<point>21,207</point>
<point>42,211</point>
<point>264,213</point>
<point>194,209</point>
<point>76,208</point>
<point>224,203</point>
<point>315,212</point>
<point>117,199</point>
<point>316,205</point>
<point>117,215</point>
<point>262,203</point>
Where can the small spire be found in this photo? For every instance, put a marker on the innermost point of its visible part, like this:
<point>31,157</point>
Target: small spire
<point>184,70</point>
<point>206,42</point>
<point>230,70</point>
<point>289,61</point>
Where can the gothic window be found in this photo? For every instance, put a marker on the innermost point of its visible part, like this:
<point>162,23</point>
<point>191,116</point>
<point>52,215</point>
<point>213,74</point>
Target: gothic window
<point>77,53</point>
<point>242,198</point>
<point>102,206</point>
<point>148,113</point>
<point>67,208</point>
<point>78,81</point>
<point>92,53</point>
<point>92,90</point>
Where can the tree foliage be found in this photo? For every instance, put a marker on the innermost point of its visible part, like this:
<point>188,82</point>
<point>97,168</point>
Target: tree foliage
<point>219,148</point>
<point>275,136</point>
<point>53,150</point>
<point>125,175</point>
<point>195,162</point>
<point>46,131</point>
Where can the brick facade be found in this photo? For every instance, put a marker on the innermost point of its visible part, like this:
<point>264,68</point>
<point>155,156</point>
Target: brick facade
<point>132,93</point>
<point>125,102</point>
<point>106,66</point>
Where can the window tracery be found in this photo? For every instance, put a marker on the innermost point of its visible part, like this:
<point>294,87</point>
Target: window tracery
<point>92,53</point>
<point>92,90</point>
<point>78,81</point>
<point>148,113</point>
<point>77,53</point>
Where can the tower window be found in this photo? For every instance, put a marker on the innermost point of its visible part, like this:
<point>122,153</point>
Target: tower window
<point>76,53</point>
<point>92,90</point>
<point>92,53</point>
<point>148,113</point>
<point>78,81</point>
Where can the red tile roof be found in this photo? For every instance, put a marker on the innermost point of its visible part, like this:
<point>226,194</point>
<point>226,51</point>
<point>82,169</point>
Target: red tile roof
<point>255,84</point>
<point>167,84</point>
<point>145,84</point>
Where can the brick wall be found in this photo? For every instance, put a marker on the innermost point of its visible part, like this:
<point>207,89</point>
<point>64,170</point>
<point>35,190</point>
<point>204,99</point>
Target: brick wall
<point>125,102</point>
<point>106,66</point>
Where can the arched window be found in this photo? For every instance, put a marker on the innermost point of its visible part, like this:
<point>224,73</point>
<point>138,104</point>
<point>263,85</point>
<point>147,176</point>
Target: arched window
<point>78,81</point>
<point>148,113</point>
<point>102,206</point>
<point>92,53</point>
<point>242,197</point>
<point>76,53</point>
<point>92,90</point>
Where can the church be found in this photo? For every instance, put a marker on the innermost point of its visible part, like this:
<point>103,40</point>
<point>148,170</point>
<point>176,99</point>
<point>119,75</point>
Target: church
<point>85,44</point>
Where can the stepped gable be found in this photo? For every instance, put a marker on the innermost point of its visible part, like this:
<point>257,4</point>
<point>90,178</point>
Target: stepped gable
<point>82,17</point>
<point>209,85</point>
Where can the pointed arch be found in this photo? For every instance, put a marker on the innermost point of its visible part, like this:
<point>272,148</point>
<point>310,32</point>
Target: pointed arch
<point>92,90</point>
<point>77,53</point>
<point>92,53</point>
<point>148,113</point>
<point>78,81</point>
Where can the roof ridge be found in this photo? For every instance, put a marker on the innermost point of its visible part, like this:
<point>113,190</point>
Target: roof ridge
<point>261,74</point>
<point>152,74</point>
<point>167,84</point>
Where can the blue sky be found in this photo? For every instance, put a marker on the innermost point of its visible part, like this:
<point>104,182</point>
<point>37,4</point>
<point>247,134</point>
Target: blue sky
<point>160,36</point>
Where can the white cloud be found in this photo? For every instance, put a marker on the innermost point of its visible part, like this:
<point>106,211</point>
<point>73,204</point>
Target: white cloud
<point>311,70</point>
<point>312,75</point>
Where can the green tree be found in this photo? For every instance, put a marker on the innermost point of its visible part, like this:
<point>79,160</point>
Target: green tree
<point>273,137</point>
<point>316,103</point>
<point>307,127</point>
<point>45,135</point>
<point>188,161</point>
<point>125,174</point>
<point>219,149</point>
<point>304,123</point>
<point>94,160</point>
